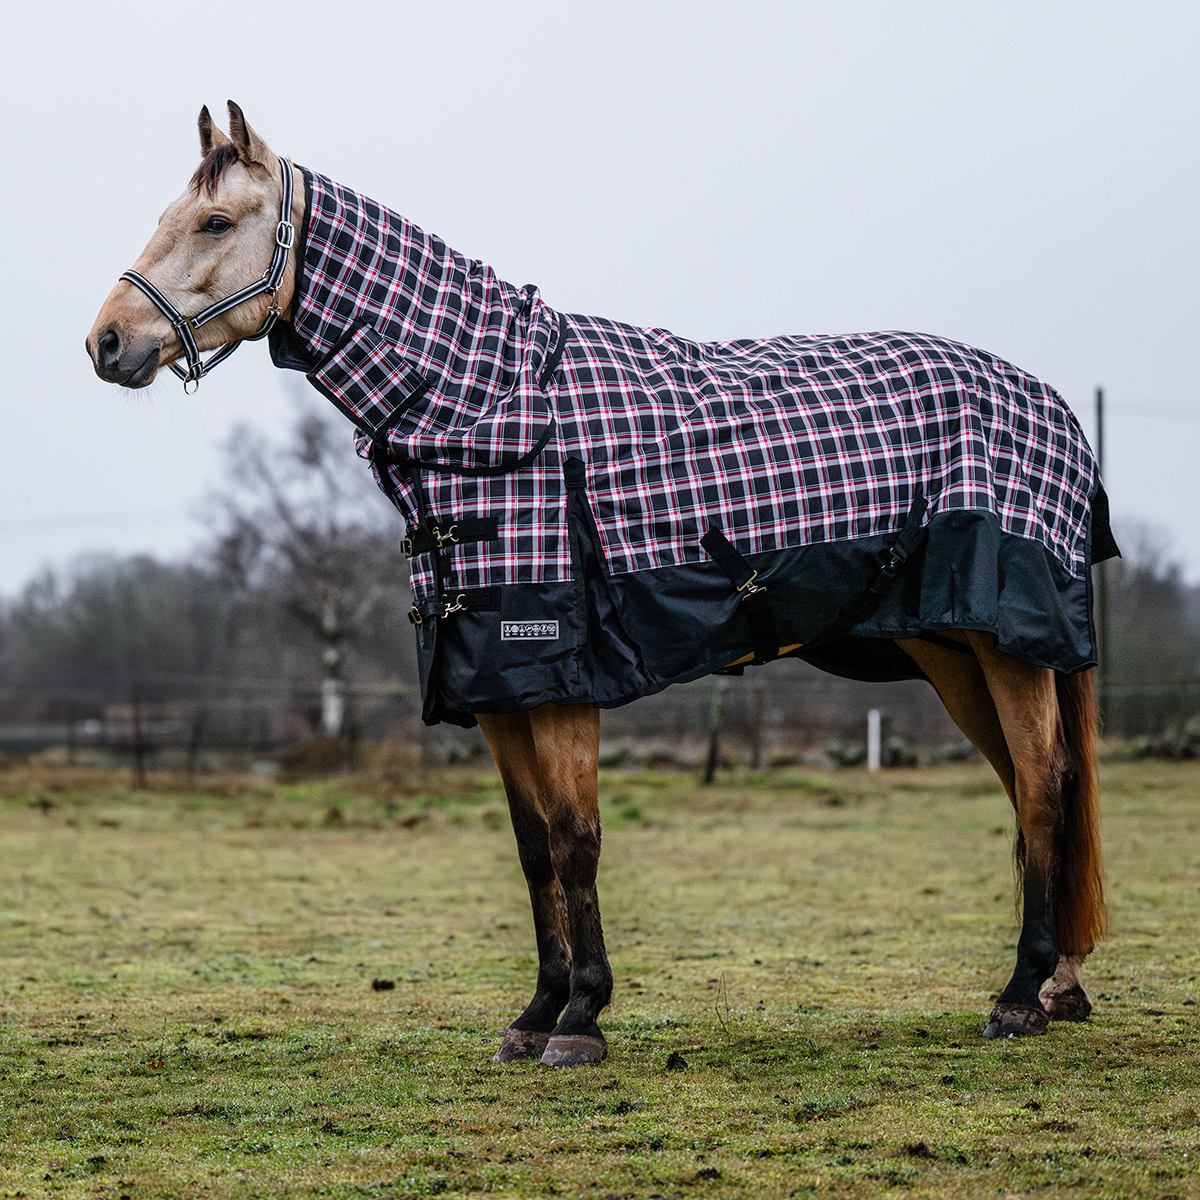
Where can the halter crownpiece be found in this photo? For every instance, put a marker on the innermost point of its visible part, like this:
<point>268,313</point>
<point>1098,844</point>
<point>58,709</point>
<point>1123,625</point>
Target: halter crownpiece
<point>185,327</point>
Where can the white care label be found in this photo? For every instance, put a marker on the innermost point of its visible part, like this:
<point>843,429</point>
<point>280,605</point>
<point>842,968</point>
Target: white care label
<point>528,631</point>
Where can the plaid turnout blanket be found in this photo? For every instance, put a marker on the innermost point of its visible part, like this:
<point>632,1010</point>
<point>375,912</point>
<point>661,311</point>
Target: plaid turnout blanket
<point>557,474</point>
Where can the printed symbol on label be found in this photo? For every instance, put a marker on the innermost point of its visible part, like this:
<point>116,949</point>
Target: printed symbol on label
<point>528,631</point>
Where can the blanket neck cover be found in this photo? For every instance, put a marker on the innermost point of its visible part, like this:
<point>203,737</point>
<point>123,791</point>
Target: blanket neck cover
<point>563,523</point>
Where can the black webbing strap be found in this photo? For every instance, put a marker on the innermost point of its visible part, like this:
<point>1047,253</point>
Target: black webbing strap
<point>471,600</point>
<point>892,563</point>
<point>468,529</point>
<point>758,608</point>
<point>551,364</point>
<point>755,603</point>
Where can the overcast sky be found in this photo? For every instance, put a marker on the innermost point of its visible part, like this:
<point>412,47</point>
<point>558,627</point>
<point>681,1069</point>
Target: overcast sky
<point>1019,176</point>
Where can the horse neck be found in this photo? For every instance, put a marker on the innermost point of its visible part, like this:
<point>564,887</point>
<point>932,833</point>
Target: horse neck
<point>404,266</point>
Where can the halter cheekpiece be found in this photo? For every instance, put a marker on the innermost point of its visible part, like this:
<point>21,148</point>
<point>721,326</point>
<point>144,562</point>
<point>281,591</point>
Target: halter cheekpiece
<point>185,327</point>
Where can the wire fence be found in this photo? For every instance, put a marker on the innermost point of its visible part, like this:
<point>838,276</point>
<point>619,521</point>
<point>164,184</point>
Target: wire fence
<point>789,712</point>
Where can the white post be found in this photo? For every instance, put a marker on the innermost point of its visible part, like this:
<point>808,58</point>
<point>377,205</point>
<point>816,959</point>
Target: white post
<point>333,707</point>
<point>874,755</point>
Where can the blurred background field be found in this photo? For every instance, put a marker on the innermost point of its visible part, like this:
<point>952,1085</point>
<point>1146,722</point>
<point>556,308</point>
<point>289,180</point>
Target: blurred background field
<point>240,985</point>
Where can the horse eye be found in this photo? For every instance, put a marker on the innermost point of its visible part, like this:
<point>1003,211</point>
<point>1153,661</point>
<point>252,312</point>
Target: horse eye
<point>217,225</point>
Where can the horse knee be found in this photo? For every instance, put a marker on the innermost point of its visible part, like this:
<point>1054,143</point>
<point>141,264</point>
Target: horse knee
<point>576,860</point>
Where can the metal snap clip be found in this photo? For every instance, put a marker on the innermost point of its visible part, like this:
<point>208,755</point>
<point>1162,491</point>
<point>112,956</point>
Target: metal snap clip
<point>748,589</point>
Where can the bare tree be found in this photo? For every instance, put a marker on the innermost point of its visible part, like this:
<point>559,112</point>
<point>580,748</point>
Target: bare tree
<point>305,526</point>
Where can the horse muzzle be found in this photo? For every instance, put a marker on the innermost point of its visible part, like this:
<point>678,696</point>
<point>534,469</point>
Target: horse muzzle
<point>132,364</point>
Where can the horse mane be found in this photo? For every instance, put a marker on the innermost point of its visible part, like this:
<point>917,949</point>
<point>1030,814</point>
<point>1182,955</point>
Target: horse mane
<point>212,170</point>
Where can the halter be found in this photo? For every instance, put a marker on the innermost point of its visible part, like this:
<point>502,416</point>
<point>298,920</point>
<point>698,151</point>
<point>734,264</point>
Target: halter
<point>185,327</point>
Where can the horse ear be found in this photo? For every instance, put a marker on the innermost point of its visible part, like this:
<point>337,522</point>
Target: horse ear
<point>249,145</point>
<point>211,135</point>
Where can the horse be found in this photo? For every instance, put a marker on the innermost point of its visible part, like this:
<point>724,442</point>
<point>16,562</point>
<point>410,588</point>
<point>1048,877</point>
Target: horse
<point>1034,721</point>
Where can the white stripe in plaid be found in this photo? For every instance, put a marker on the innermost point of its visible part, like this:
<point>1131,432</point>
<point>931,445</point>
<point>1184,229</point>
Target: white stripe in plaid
<point>782,442</point>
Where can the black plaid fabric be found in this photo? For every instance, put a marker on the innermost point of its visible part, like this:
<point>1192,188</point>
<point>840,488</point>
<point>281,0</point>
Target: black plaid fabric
<point>781,443</point>
<point>368,380</point>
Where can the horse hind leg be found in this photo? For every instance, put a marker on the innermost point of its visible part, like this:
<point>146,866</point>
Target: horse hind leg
<point>963,686</point>
<point>1027,706</point>
<point>1063,995</point>
<point>1082,911</point>
<point>511,741</point>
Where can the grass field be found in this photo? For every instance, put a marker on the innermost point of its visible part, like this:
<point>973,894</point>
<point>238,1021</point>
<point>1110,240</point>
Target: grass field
<point>186,1000</point>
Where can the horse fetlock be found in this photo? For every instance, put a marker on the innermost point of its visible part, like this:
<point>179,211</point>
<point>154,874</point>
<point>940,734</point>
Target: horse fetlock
<point>542,1012</point>
<point>592,985</point>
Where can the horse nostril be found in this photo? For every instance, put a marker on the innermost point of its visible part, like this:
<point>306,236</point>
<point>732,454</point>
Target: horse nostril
<point>108,349</point>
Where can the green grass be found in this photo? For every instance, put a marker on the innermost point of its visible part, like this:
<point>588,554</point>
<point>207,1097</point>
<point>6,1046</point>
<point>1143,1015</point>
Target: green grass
<point>186,1005</point>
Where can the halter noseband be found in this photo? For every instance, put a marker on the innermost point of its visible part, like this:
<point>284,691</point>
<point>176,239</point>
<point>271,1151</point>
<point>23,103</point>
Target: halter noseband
<point>185,327</point>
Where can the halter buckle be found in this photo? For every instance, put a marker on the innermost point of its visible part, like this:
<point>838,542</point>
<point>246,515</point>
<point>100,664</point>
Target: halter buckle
<point>191,385</point>
<point>285,235</point>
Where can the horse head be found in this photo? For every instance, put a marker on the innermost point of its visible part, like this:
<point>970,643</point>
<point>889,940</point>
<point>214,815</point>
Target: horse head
<point>214,240</point>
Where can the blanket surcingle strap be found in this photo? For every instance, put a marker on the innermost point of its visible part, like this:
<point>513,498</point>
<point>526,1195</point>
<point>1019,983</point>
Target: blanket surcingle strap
<point>755,602</point>
<point>757,605</point>
<point>893,559</point>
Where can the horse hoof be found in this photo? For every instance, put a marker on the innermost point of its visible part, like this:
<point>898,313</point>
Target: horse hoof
<point>1016,1020</point>
<point>573,1050</point>
<point>521,1043</point>
<point>1071,1005</point>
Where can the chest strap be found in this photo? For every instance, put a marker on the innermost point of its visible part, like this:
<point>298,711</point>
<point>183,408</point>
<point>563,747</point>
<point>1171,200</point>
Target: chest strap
<point>468,529</point>
<point>468,600</point>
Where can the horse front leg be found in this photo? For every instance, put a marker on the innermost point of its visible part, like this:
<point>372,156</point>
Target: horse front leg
<point>567,744</point>
<point>511,740</point>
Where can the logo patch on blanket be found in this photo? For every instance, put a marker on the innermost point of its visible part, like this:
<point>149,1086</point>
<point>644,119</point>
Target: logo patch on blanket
<point>529,631</point>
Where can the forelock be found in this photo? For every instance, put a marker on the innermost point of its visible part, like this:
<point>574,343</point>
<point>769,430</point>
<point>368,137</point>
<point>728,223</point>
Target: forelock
<point>212,170</point>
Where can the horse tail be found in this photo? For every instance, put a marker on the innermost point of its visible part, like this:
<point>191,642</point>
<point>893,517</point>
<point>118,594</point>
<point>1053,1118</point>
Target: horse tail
<point>1082,909</point>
